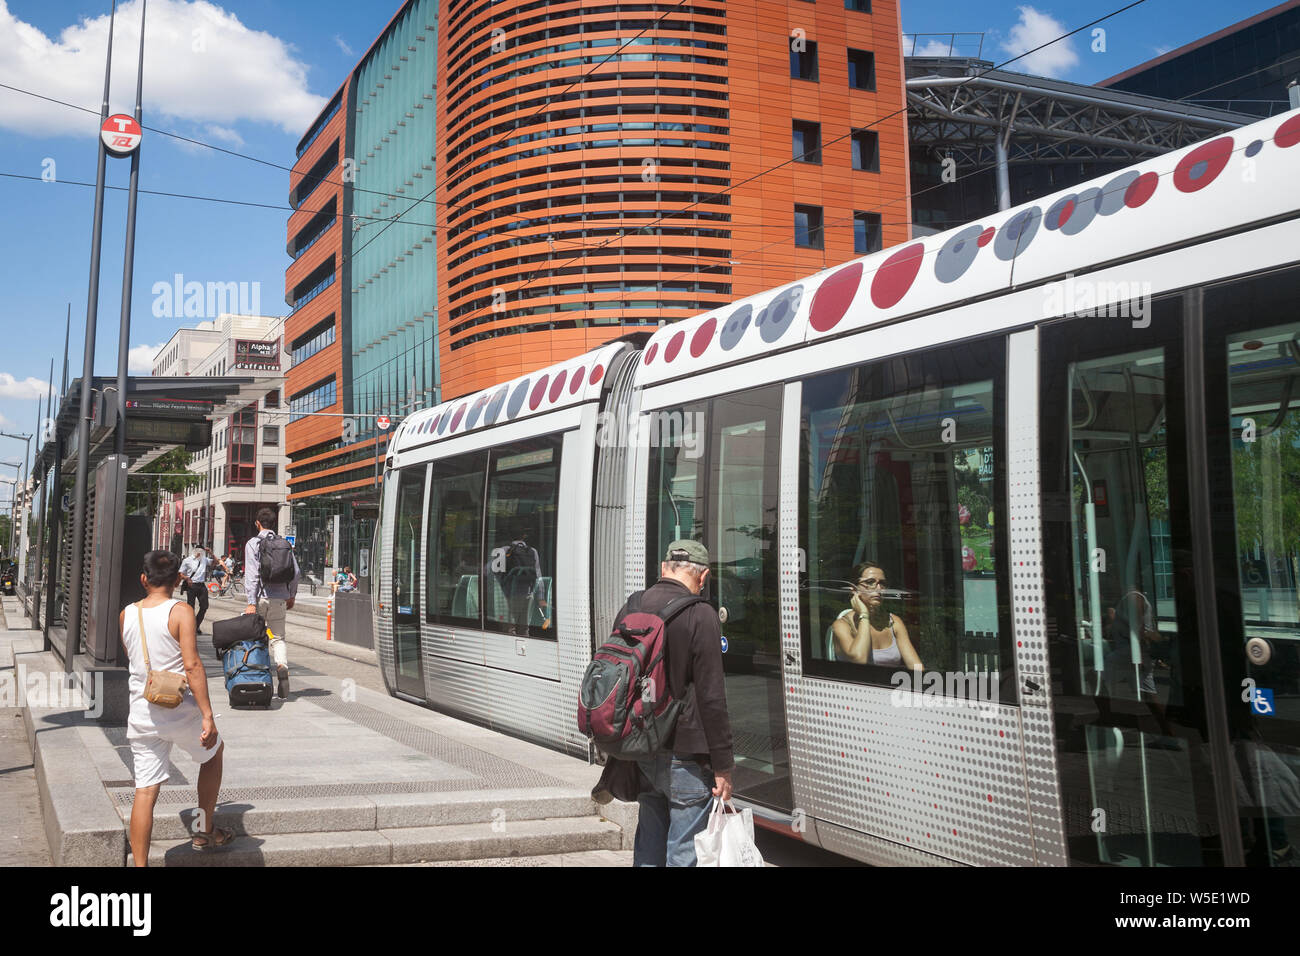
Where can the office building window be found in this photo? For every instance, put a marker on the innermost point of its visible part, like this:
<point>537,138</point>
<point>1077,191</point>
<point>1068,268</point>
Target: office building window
<point>807,141</point>
<point>862,6</point>
<point>803,59</point>
<point>866,150</point>
<point>270,474</point>
<point>808,226</point>
<point>866,233</point>
<point>862,70</point>
<point>272,399</point>
<point>270,434</point>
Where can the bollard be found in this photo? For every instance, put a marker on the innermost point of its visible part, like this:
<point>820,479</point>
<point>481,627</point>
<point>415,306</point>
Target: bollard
<point>329,619</point>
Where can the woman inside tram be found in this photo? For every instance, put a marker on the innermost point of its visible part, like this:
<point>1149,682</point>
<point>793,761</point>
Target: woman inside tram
<point>866,632</point>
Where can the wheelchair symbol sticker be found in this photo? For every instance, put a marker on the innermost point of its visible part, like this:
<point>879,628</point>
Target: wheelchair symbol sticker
<point>724,643</point>
<point>1262,704</point>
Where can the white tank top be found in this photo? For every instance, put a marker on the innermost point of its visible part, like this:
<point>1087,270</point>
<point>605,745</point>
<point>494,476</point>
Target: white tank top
<point>164,655</point>
<point>880,656</point>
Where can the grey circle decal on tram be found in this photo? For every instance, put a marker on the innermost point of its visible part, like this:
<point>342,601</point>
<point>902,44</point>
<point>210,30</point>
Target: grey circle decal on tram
<point>1085,211</point>
<point>475,411</point>
<point>1112,196</point>
<point>517,398</point>
<point>775,320</point>
<point>957,254</point>
<point>733,330</point>
<point>494,406</point>
<point>1017,233</point>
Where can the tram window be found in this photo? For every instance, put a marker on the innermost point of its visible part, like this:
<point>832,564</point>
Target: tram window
<point>901,523</point>
<point>518,593</point>
<point>676,501</point>
<point>455,533</point>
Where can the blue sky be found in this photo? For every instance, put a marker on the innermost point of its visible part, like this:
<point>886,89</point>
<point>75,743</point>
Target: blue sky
<point>251,77</point>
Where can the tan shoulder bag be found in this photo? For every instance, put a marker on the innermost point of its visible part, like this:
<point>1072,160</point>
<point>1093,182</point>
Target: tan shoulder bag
<point>164,688</point>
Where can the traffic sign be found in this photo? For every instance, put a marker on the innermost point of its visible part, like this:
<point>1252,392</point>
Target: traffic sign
<point>292,539</point>
<point>121,134</point>
<point>383,422</point>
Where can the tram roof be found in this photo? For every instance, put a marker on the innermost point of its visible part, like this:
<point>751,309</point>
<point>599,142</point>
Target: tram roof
<point>1158,203</point>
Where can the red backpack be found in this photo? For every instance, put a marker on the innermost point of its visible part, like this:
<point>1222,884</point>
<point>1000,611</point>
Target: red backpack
<point>624,706</point>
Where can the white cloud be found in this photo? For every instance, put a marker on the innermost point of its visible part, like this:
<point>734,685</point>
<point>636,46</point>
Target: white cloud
<point>202,65</point>
<point>222,134</point>
<point>139,360</point>
<point>347,50</point>
<point>934,48</point>
<point>29,387</point>
<point>1033,29</point>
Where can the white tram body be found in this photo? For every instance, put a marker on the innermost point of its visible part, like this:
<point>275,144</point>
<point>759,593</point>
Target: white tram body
<point>871,412</point>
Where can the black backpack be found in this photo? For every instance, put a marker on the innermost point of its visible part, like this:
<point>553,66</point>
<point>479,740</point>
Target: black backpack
<point>276,560</point>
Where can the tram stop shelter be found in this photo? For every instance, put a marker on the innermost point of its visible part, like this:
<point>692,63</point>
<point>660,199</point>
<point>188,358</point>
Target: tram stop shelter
<point>162,413</point>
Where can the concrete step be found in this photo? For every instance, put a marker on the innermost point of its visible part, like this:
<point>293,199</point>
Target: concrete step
<point>373,812</point>
<point>467,842</point>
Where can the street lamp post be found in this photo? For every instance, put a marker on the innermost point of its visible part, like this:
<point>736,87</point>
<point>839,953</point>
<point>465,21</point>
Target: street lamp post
<point>13,487</point>
<point>13,502</point>
<point>26,456</point>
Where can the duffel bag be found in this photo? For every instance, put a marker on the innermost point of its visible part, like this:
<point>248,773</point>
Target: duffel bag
<point>246,627</point>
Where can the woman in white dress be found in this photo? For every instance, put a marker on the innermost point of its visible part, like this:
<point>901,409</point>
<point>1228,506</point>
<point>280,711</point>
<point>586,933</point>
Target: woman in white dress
<point>867,633</point>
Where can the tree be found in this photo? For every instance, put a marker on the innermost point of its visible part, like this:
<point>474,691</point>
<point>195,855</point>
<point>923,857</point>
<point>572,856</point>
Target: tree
<point>174,462</point>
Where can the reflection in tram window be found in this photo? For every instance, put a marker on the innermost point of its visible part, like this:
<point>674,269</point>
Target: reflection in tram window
<point>900,473</point>
<point>455,523</point>
<point>1135,773</point>
<point>1264,391</point>
<point>519,566</point>
<point>677,511</point>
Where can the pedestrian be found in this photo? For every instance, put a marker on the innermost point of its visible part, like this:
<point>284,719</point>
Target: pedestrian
<point>696,763</point>
<point>194,572</point>
<point>167,626</point>
<point>272,598</point>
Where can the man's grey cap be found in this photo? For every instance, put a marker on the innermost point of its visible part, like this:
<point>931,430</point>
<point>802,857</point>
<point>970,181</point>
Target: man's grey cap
<point>686,550</point>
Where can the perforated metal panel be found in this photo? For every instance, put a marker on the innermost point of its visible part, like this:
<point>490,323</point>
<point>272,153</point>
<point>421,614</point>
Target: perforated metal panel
<point>1025,523</point>
<point>383,616</point>
<point>938,781</point>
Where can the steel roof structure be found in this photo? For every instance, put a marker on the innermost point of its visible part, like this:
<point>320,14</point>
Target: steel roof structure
<point>980,116</point>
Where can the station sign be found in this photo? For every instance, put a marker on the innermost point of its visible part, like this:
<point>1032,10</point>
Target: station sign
<point>121,134</point>
<point>383,422</point>
<point>170,407</point>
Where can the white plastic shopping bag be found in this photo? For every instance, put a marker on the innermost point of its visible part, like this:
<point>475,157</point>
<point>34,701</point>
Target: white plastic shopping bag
<point>728,839</point>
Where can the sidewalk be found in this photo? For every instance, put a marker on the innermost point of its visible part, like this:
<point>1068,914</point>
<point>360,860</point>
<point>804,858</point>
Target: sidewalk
<point>338,774</point>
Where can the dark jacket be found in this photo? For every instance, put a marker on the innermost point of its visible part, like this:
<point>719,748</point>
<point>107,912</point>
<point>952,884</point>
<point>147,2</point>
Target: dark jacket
<point>695,657</point>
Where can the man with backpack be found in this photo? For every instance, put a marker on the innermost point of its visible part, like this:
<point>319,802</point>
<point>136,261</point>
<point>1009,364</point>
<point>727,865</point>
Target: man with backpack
<point>271,583</point>
<point>693,762</point>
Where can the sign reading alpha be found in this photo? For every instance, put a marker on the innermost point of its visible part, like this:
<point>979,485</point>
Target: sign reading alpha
<point>257,356</point>
<point>121,134</point>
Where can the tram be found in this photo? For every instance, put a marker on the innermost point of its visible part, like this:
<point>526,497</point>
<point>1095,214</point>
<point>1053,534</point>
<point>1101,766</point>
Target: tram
<point>1069,436</point>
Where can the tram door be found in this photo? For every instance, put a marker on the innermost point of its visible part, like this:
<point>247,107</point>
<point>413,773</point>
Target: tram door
<point>1133,743</point>
<point>407,538</point>
<point>1252,361</point>
<point>1178,730</point>
<point>714,478</point>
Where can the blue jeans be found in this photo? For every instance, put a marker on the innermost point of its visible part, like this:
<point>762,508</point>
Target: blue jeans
<point>673,812</point>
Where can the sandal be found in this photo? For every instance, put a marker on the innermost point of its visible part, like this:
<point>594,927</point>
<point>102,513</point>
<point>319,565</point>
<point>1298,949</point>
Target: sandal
<point>219,837</point>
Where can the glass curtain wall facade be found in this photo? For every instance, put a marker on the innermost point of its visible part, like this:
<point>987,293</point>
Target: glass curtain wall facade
<point>394,271</point>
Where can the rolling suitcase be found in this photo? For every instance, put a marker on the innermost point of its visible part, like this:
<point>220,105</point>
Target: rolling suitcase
<point>246,659</point>
<point>248,673</point>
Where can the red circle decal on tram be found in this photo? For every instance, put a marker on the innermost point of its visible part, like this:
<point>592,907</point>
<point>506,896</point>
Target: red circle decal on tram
<point>1202,165</point>
<point>896,275</point>
<point>832,299</point>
